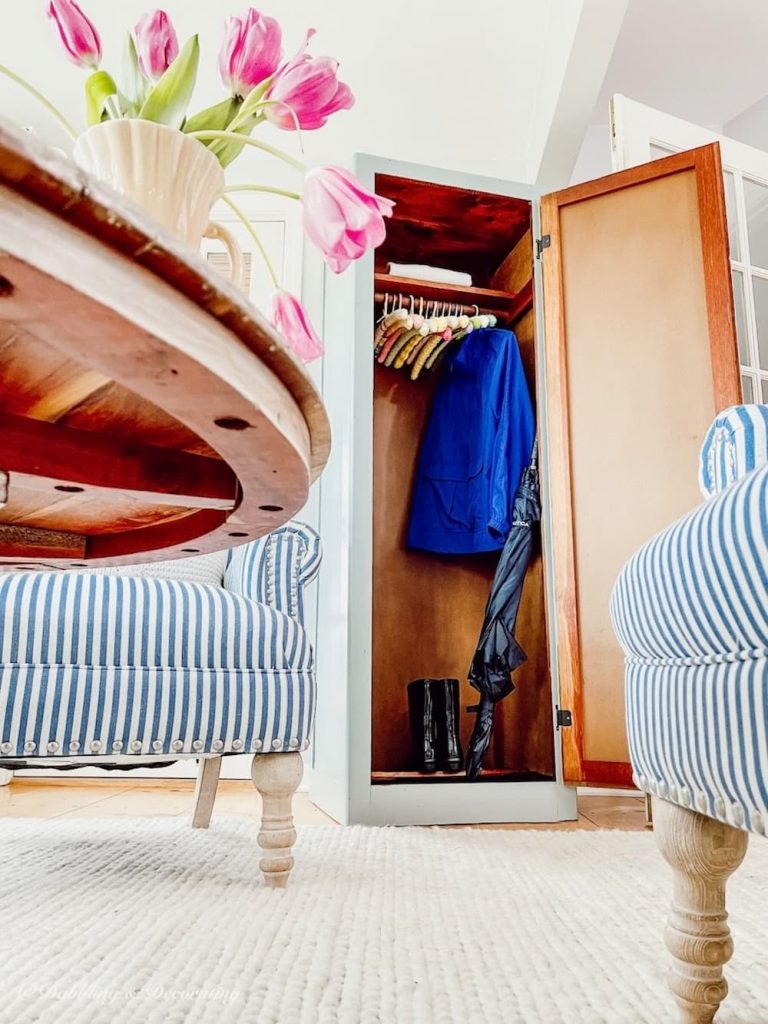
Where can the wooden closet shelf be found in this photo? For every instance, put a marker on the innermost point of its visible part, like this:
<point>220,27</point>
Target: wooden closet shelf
<point>508,305</point>
<point>488,775</point>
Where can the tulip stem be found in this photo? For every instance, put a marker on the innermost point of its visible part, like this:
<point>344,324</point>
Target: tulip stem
<point>207,134</point>
<point>39,96</point>
<point>291,111</point>
<point>263,188</point>
<point>251,231</point>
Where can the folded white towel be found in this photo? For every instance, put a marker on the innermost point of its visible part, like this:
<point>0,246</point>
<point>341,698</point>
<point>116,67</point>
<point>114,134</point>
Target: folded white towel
<point>421,272</point>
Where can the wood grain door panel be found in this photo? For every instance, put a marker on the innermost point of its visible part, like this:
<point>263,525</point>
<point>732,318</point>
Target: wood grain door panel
<point>641,353</point>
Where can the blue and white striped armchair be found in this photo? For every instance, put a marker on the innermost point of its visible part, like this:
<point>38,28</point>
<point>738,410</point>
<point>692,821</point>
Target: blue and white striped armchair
<point>691,612</point>
<point>129,670</point>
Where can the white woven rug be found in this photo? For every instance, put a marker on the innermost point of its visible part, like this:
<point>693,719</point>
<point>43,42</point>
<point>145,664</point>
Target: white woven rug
<point>147,920</point>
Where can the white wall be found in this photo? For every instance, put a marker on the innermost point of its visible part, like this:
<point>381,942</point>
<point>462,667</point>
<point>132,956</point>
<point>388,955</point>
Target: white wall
<point>469,86</point>
<point>751,126</point>
<point>594,159</point>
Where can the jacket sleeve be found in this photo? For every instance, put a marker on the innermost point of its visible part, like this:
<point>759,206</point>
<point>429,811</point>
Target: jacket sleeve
<point>513,443</point>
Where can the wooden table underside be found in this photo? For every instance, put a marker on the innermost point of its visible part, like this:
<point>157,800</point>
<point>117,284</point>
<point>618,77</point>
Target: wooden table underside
<point>146,408</point>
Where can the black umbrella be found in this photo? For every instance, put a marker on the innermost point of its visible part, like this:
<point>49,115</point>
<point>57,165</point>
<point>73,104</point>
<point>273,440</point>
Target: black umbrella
<point>498,654</point>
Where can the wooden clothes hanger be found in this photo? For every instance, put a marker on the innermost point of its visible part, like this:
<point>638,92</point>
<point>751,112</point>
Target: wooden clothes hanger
<point>404,337</point>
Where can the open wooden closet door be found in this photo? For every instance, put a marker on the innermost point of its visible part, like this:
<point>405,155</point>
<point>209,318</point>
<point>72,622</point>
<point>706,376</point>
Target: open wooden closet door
<point>641,353</point>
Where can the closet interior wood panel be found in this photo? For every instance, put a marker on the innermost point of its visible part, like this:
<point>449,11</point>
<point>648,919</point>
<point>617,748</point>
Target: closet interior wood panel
<point>428,609</point>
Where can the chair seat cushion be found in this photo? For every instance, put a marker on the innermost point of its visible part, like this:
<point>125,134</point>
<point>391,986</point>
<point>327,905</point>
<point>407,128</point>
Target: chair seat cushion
<point>96,667</point>
<point>122,621</point>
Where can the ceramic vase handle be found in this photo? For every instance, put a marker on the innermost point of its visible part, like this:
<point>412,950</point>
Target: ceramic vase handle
<point>236,261</point>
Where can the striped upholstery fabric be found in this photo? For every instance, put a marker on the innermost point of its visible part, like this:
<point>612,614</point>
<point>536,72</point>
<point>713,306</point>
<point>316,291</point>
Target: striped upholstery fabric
<point>275,569</point>
<point>691,612</point>
<point>96,667</point>
<point>736,443</point>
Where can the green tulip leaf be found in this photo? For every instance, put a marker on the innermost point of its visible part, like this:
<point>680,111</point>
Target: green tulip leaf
<point>250,107</point>
<point>99,87</point>
<point>214,118</point>
<point>135,85</point>
<point>217,118</point>
<point>168,99</point>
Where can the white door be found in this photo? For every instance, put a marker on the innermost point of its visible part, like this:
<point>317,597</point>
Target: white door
<point>640,134</point>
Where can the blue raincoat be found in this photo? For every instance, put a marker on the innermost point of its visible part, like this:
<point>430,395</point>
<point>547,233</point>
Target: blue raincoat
<point>477,442</point>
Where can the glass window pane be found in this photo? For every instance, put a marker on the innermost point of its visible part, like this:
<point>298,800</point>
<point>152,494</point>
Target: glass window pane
<point>730,211</point>
<point>740,309</point>
<point>756,203</point>
<point>765,391</point>
<point>760,290</point>
<point>747,388</point>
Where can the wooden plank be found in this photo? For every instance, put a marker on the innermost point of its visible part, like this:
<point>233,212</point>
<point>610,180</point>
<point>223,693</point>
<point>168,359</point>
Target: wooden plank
<point>448,226</point>
<point>51,457</point>
<point>724,354</point>
<point>22,541</point>
<point>602,773</point>
<point>505,302</point>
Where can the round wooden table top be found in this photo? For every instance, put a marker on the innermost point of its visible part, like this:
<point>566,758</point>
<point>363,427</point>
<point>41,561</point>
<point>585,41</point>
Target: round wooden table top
<point>147,410</point>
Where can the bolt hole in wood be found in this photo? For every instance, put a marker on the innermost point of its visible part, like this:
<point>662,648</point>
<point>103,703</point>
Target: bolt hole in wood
<point>238,533</point>
<point>232,423</point>
<point>271,508</point>
<point>78,565</point>
<point>6,288</point>
<point>191,551</point>
<point>68,488</point>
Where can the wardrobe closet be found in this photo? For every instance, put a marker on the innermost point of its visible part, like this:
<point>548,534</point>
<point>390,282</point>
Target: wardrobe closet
<point>618,292</point>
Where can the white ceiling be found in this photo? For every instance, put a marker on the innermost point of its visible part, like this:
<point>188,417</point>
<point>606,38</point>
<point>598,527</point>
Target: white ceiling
<point>702,60</point>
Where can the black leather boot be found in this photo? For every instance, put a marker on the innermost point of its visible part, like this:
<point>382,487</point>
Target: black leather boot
<point>449,754</point>
<point>421,711</point>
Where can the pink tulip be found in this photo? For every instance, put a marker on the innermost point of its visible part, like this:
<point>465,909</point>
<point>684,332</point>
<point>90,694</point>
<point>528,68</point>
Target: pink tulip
<point>251,51</point>
<point>342,217</point>
<point>306,91</point>
<point>291,320</point>
<point>78,33</point>
<point>156,44</point>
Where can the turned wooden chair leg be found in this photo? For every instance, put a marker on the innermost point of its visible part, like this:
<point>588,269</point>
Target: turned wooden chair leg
<point>208,771</point>
<point>702,853</point>
<point>277,777</point>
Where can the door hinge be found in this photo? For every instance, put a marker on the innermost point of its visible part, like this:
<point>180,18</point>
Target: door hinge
<point>564,718</point>
<point>542,243</point>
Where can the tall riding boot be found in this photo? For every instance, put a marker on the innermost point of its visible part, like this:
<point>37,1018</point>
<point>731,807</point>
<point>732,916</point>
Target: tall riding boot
<point>449,752</point>
<point>421,709</point>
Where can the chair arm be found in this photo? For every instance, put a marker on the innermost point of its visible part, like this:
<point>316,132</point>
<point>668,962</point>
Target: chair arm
<point>275,569</point>
<point>698,592</point>
<point>735,444</point>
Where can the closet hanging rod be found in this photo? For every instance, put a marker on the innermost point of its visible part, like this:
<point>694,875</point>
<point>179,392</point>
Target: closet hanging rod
<point>499,311</point>
<point>507,306</point>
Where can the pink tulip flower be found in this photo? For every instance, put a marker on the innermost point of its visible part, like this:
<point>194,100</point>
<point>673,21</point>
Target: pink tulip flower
<point>157,45</point>
<point>306,91</point>
<point>291,320</point>
<point>251,51</point>
<point>342,217</point>
<point>78,33</point>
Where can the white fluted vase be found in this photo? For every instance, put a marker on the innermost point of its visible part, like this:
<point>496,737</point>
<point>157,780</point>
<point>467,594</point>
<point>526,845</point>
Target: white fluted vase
<point>171,176</point>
